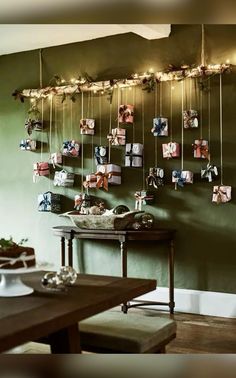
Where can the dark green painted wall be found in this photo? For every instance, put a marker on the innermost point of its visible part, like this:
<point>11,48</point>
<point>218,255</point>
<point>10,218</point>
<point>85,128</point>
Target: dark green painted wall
<point>205,243</point>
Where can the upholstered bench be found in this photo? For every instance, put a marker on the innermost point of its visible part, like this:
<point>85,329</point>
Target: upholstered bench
<point>115,332</point>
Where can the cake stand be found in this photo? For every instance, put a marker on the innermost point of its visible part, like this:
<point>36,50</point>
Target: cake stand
<point>11,284</point>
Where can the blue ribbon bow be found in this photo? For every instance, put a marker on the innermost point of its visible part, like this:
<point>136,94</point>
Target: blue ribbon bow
<point>46,202</point>
<point>180,180</point>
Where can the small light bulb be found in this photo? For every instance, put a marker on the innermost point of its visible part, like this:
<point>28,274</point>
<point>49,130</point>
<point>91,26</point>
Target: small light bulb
<point>130,88</point>
<point>151,70</point>
<point>62,80</point>
<point>94,91</point>
<point>72,80</point>
<point>227,61</point>
<point>102,92</point>
<point>172,87</point>
<point>32,100</point>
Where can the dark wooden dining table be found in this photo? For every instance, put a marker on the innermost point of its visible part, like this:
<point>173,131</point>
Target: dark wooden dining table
<point>53,316</point>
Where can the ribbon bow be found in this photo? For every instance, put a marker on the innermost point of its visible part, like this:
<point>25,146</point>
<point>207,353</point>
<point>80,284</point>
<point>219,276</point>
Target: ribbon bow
<point>209,172</point>
<point>180,180</point>
<point>46,202</point>
<point>12,260</point>
<point>220,194</point>
<point>102,181</point>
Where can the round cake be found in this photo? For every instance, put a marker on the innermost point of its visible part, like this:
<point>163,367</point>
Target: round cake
<point>14,256</point>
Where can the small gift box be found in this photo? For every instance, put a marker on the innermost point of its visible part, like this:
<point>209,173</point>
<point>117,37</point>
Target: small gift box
<point>56,158</point>
<point>41,169</point>
<point>221,194</point>
<point>82,203</point>
<point>100,155</point>
<point>87,126</point>
<point>28,144</point>
<point>190,118</point>
<point>91,181</point>
<point>133,155</point>
<point>108,174</point>
<point>126,114</point>
<point>155,177</point>
<point>49,202</point>
<point>210,172</point>
<point>117,137</point>
<point>63,178</point>
<point>182,177</point>
<point>71,148</point>
<point>200,149</point>
<point>143,197</point>
<point>170,150</point>
<point>33,124</point>
<point>160,126</point>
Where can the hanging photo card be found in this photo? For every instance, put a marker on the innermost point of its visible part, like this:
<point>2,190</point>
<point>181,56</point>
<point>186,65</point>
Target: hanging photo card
<point>134,155</point>
<point>117,137</point>
<point>160,126</point>
<point>101,155</point>
<point>56,158</point>
<point>71,148</point>
<point>155,177</point>
<point>28,145</point>
<point>49,202</point>
<point>87,126</point>
<point>33,124</point>
<point>126,114</point>
<point>170,150</point>
<point>190,118</point>
<point>221,194</point>
<point>200,149</point>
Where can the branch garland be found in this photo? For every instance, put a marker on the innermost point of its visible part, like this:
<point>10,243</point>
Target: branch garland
<point>147,81</point>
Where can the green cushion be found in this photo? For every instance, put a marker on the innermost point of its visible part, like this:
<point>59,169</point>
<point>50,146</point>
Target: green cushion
<point>127,333</point>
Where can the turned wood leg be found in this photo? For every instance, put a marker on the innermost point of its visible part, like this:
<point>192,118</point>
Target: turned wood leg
<point>66,340</point>
<point>63,254</point>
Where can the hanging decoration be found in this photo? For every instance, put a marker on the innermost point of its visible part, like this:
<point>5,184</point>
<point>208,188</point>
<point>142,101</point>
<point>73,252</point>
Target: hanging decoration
<point>134,155</point>
<point>190,119</point>
<point>126,114</point>
<point>108,174</point>
<point>71,148</point>
<point>221,193</point>
<point>63,178</point>
<point>181,177</point>
<point>87,126</point>
<point>160,124</point>
<point>155,177</point>
<point>117,137</point>
<point>49,202</point>
<point>33,122</point>
<point>101,155</point>
<point>143,197</point>
<point>210,172</point>
<point>200,149</point>
<point>40,169</point>
<point>82,203</point>
<point>28,145</point>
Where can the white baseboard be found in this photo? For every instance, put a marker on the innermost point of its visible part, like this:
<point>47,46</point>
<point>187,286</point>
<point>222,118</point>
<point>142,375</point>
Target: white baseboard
<point>196,302</point>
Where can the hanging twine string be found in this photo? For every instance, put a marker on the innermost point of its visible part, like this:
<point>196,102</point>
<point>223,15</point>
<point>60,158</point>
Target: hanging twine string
<point>143,134</point>
<point>161,99</point>
<point>82,145</point>
<point>92,115</point>
<point>155,115</point>
<point>40,69</point>
<point>118,105</point>
<point>209,118</point>
<point>221,132</point>
<point>201,113</point>
<point>171,109</point>
<point>50,134</point>
<point>134,99</point>
<point>203,46</point>
<point>41,136</point>
<point>71,120</point>
<point>109,145</point>
<point>190,93</point>
<point>63,125</point>
<point>100,119</point>
<point>182,127</point>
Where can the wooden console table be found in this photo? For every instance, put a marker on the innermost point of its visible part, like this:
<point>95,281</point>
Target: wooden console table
<point>123,237</point>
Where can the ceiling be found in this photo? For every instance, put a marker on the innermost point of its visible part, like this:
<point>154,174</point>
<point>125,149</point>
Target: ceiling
<point>23,37</point>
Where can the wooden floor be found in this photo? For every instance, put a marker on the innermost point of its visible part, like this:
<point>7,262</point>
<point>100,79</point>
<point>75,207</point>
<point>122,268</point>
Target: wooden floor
<point>195,334</point>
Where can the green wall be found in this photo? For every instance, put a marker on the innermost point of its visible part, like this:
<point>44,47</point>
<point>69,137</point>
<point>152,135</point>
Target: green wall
<point>205,255</point>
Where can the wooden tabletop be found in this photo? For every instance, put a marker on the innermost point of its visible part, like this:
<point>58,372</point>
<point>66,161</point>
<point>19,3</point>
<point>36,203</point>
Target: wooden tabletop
<point>45,312</point>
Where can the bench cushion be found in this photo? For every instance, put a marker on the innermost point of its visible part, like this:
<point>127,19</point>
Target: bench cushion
<point>125,333</point>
